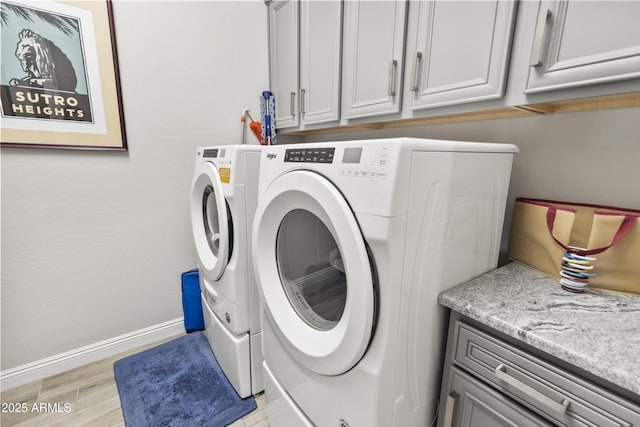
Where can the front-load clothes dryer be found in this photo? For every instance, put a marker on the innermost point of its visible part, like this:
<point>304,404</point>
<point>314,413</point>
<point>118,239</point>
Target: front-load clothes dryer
<point>356,240</point>
<point>223,202</point>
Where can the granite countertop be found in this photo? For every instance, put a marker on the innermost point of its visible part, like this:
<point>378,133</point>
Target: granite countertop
<point>596,331</point>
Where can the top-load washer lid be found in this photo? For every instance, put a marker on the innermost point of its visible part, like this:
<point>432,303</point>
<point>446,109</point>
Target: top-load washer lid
<point>210,221</point>
<point>313,269</point>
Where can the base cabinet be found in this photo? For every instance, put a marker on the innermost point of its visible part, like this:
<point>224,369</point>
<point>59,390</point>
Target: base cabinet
<point>488,381</point>
<point>471,403</point>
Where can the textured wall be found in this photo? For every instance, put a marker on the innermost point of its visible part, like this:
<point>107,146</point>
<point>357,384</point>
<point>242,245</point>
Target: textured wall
<point>93,243</point>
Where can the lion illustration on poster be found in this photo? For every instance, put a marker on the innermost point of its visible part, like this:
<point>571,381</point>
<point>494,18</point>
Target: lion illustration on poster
<point>46,65</point>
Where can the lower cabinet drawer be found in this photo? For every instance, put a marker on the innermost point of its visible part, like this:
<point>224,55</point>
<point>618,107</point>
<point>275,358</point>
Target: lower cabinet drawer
<point>558,395</point>
<point>471,403</point>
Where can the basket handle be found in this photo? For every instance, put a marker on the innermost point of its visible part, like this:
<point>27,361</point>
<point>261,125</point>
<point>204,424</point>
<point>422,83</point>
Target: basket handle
<point>627,224</point>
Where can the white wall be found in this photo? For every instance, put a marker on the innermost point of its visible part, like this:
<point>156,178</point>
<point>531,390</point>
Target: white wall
<point>93,243</point>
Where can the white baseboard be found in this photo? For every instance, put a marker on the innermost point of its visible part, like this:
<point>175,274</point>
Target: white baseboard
<point>62,362</point>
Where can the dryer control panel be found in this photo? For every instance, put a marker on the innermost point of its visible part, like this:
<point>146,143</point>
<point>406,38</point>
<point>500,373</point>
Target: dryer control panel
<point>309,155</point>
<point>361,161</point>
<point>371,161</point>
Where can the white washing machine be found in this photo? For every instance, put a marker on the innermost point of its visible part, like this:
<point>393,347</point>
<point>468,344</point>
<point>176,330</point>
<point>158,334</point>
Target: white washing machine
<point>223,202</point>
<point>356,240</point>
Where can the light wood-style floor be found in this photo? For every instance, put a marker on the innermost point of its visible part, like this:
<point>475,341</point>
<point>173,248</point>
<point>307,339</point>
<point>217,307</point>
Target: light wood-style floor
<point>85,396</point>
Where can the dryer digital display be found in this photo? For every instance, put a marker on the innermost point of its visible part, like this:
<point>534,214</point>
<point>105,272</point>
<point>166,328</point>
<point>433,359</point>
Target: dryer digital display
<point>352,155</point>
<point>310,155</point>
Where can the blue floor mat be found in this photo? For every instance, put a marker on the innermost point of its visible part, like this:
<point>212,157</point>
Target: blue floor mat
<point>178,383</point>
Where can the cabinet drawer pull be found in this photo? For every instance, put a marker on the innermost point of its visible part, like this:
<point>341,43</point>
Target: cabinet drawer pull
<point>558,408</point>
<point>449,407</point>
<point>391,91</point>
<point>414,79</point>
<point>293,103</point>
<point>302,91</point>
<point>541,27</point>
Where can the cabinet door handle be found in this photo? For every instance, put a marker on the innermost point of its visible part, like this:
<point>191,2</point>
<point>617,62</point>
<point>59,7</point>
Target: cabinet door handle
<point>416,66</point>
<point>541,31</point>
<point>558,408</point>
<point>391,91</point>
<point>302,91</point>
<point>449,407</point>
<point>293,103</point>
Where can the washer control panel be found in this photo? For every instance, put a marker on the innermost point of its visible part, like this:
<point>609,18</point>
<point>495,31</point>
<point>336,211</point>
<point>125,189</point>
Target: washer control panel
<point>213,152</point>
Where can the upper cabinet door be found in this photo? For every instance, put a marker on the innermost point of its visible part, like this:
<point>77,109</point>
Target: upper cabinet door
<point>373,57</point>
<point>283,46</point>
<point>320,49</point>
<point>579,43</point>
<point>458,51</point>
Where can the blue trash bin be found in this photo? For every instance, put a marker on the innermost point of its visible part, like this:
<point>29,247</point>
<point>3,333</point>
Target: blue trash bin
<point>191,302</point>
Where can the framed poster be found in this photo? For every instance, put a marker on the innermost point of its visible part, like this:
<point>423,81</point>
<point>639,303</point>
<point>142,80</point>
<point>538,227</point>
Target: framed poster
<point>59,79</point>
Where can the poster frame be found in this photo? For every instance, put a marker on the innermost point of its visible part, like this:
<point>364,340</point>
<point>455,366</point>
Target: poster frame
<point>97,43</point>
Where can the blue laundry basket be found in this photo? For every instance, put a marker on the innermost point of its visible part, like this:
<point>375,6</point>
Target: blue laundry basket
<point>191,303</point>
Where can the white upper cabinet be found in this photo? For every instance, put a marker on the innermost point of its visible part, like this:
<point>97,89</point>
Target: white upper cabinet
<point>283,47</point>
<point>457,51</point>
<point>578,43</point>
<point>305,46</point>
<point>320,48</point>
<point>342,63</point>
<point>373,57</point>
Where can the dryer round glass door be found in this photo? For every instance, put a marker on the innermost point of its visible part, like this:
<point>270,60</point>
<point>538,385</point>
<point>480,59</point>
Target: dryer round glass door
<point>313,269</point>
<point>210,221</point>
